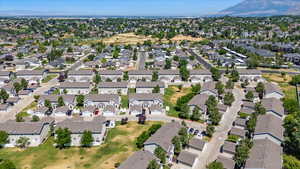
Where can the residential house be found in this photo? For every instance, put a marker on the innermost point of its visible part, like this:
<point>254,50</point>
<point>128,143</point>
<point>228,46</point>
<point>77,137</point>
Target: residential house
<point>228,163</point>
<point>228,149</point>
<point>36,132</point>
<point>39,111</point>
<point>250,74</point>
<point>75,88</point>
<point>5,75</point>
<point>187,160</point>
<point>199,76</point>
<point>69,100</point>
<point>139,75</point>
<point>237,132</point>
<point>198,101</point>
<point>195,145</point>
<point>139,160</point>
<point>145,100</point>
<point>77,127</point>
<point>62,111</point>
<point>163,138</point>
<point>113,88</point>
<point>273,106</point>
<point>147,87</point>
<point>80,76</point>
<point>33,76</point>
<point>169,76</point>
<point>102,100</point>
<point>209,88</point>
<point>113,75</point>
<point>89,111</point>
<point>273,91</point>
<point>4,108</point>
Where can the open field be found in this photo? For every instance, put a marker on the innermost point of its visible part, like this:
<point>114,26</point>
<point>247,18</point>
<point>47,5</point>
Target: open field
<point>179,93</point>
<point>119,145</point>
<point>131,38</point>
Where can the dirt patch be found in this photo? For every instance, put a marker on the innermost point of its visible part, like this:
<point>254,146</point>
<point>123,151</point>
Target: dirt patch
<point>188,38</point>
<point>179,93</point>
<point>278,78</point>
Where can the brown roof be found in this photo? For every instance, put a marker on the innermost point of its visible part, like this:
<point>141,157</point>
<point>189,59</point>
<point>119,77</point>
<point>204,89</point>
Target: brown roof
<point>265,154</point>
<point>163,136</point>
<point>187,158</point>
<point>269,124</point>
<point>139,160</point>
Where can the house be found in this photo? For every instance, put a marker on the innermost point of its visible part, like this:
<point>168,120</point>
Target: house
<point>199,102</point>
<point>109,110</point>
<point>250,74</point>
<point>75,88</point>
<point>264,154</point>
<point>81,75</point>
<point>145,100</point>
<point>273,91</point>
<point>113,88</point>
<point>62,111</point>
<point>77,127</point>
<point>195,145</point>
<point>69,100</point>
<point>135,109</point>
<point>89,111</point>
<point>156,110</point>
<point>187,160</point>
<point>199,76</point>
<point>228,163</point>
<point>209,88</point>
<point>163,138</point>
<point>228,149</point>
<point>273,106</point>
<point>112,75</point>
<point>5,75</point>
<point>147,87</point>
<point>39,111</point>
<point>269,127</point>
<point>169,76</point>
<point>240,123</point>
<point>139,160</point>
<point>13,100</point>
<point>24,93</point>
<point>4,108</point>
<point>36,132</point>
<point>139,75</point>
<point>102,100</point>
<point>32,75</point>
<point>237,132</point>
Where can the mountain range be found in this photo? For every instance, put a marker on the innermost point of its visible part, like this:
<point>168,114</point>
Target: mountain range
<point>263,8</point>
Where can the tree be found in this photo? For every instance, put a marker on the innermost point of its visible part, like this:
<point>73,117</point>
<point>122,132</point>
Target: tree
<point>23,142</point>
<point>228,99</point>
<point>19,118</point>
<point>220,88</point>
<point>216,74</point>
<point>290,162</point>
<point>63,137</point>
<point>48,104</point>
<point>3,95</point>
<point>249,96</point>
<point>183,135</point>
<point>24,84</point>
<point>125,76</point>
<point>210,129</point>
<point>196,89</point>
<point>215,116</point>
<point>229,84</point>
<point>3,138</point>
<point>292,134</point>
<point>215,165</point>
<point>86,139</point>
<point>35,118</point>
<point>17,87</point>
<point>168,64</point>
<point>97,79</point>
<point>177,145</point>
<point>154,76</point>
<point>60,101</point>
<point>156,89</point>
<point>91,57</point>
<point>260,88</point>
<point>6,164</point>
<point>259,109</point>
<point>160,154</point>
<point>295,80</point>
<point>184,73</point>
<point>242,153</point>
<point>235,76</point>
<point>290,105</point>
<point>211,103</point>
<point>251,123</point>
<point>80,100</point>
<point>195,115</point>
<point>153,165</point>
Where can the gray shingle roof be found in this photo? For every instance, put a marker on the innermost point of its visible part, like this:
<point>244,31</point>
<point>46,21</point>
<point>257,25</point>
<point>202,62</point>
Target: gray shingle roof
<point>163,136</point>
<point>272,104</point>
<point>139,160</point>
<point>271,88</point>
<point>113,85</point>
<point>102,98</point>
<point>265,154</point>
<point>168,72</point>
<point>4,73</point>
<point>229,147</point>
<point>18,128</point>
<point>80,72</point>
<point>110,72</point>
<point>237,132</point>
<point>227,162</point>
<point>30,72</point>
<point>249,72</point>
<point>269,124</point>
<point>79,126</point>
<point>145,97</point>
<point>199,101</point>
<point>197,144</point>
<point>187,158</point>
<point>240,122</point>
<point>149,84</point>
<point>140,72</point>
<point>68,85</point>
<point>200,72</point>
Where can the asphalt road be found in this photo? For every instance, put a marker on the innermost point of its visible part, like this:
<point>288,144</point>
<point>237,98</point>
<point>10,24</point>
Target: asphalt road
<point>141,60</point>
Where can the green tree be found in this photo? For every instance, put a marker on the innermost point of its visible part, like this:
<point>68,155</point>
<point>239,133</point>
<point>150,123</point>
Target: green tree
<point>290,105</point>
<point>7,164</point>
<point>242,153</point>
<point>183,135</point>
<point>60,101</point>
<point>210,129</point>
<point>80,100</point>
<point>153,165</point>
<point>48,104</point>
<point>292,134</point>
<point>259,109</point>
<point>290,162</point>
<point>220,88</point>
<point>35,118</point>
<point>23,142</point>
<point>154,76</point>
<point>177,145</point>
<point>97,79</point>
<point>196,89</point>
<point>249,96</point>
<point>19,118</point>
<point>63,137</point>
<point>216,74</point>
<point>215,165</point>
<point>125,76</point>
<point>229,84</point>
<point>196,114</point>
<point>3,138</point>
<point>251,123</point>
<point>91,57</point>
<point>160,154</point>
<point>184,73</point>
<point>156,89</point>
<point>168,64</point>
<point>260,88</point>
<point>86,139</point>
<point>24,83</point>
<point>229,99</point>
<point>235,76</point>
<point>4,95</point>
<point>17,87</point>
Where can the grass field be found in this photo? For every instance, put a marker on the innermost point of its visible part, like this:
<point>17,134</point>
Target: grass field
<point>119,145</point>
<point>48,78</point>
<point>131,38</point>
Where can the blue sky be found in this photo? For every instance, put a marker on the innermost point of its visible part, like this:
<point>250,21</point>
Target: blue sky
<point>119,7</point>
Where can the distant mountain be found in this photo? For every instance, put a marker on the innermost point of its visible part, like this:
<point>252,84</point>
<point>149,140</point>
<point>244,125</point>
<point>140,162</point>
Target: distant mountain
<point>264,8</point>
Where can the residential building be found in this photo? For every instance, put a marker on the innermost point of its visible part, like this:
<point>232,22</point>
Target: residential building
<point>273,91</point>
<point>80,76</point>
<point>75,88</point>
<point>147,87</point>
<point>139,75</point>
<point>111,75</point>
<point>139,160</point>
<point>187,160</point>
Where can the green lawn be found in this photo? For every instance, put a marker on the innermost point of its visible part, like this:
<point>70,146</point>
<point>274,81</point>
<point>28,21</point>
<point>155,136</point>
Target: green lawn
<point>124,101</point>
<point>169,92</point>
<point>118,146</point>
<point>29,107</point>
<point>48,78</point>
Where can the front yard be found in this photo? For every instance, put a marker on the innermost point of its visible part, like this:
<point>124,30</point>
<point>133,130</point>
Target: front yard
<point>119,145</point>
<point>48,78</point>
